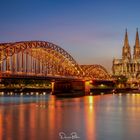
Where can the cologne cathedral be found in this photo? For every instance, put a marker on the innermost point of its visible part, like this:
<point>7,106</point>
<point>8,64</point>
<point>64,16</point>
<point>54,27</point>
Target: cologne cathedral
<point>128,65</point>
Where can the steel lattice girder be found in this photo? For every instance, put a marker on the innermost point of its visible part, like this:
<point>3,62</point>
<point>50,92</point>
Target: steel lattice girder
<point>95,72</point>
<point>51,52</point>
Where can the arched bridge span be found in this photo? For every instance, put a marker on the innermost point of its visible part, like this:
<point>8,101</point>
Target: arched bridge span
<point>95,72</point>
<point>44,59</point>
<point>37,58</point>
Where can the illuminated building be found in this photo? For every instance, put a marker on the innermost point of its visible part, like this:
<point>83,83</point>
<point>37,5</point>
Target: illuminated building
<point>128,65</point>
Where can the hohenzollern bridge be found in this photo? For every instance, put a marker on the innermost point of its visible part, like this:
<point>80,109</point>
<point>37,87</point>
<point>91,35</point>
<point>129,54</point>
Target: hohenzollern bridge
<point>40,59</point>
<point>29,63</point>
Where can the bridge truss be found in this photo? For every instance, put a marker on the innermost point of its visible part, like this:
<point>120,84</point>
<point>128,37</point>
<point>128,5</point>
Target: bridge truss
<point>37,58</point>
<point>96,72</point>
<point>44,59</point>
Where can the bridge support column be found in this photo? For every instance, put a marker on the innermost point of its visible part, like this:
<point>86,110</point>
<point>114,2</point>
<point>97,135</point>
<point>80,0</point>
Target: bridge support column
<point>18,64</point>
<point>27,61</point>
<point>13,63</point>
<point>8,64</point>
<point>22,61</point>
<point>52,85</point>
<point>68,87</point>
<point>88,86</point>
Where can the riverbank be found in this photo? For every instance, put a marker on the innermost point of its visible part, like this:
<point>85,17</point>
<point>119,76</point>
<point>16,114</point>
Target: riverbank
<point>33,90</point>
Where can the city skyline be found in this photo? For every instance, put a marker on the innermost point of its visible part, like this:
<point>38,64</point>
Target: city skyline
<point>92,32</point>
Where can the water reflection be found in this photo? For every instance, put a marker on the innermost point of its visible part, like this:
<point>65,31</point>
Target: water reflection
<point>90,118</point>
<point>101,117</point>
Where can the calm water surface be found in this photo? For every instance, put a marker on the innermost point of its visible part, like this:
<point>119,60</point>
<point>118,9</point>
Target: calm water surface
<point>45,117</point>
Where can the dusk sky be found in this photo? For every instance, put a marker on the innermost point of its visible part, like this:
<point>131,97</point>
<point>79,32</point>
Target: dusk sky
<point>92,31</point>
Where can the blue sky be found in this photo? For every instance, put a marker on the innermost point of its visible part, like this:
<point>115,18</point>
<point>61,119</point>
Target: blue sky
<point>92,31</point>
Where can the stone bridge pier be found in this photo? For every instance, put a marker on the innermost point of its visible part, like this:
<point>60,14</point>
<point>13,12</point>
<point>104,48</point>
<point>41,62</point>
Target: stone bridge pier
<point>68,87</point>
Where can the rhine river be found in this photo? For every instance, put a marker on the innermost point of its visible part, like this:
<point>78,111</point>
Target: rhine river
<point>46,117</point>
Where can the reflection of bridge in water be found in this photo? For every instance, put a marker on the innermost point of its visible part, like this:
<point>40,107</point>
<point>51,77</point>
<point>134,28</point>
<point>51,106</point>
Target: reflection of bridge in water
<point>44,61</point>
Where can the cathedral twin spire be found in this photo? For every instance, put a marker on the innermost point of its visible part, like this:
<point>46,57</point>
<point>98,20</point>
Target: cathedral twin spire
<point>126,54</point>
<point>126,42</point>
<point>137,47</point>
<point>137,39</point>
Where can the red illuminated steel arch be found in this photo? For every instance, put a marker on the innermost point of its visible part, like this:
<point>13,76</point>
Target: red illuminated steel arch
<point>97,72</point>
<point>38,57</point>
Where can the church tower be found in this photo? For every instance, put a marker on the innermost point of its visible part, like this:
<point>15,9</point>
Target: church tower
<point>136,47</point>
<point>126,54</point>
<point>127,66</point>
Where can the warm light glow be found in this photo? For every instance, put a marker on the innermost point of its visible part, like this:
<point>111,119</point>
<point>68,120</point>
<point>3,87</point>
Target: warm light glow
<point>120,94</point>
<point>1,93</point>
<point>87,86</point>
<point>52,85</point>
<point>90,119</point>
<point>91,98</point>
<point>1,127</point>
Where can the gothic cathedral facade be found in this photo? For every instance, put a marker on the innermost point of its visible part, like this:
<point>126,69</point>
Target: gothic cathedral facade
<point>128,65</point>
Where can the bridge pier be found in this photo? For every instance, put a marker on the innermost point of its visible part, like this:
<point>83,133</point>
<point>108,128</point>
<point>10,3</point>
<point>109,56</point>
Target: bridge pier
<point>68,88</point>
